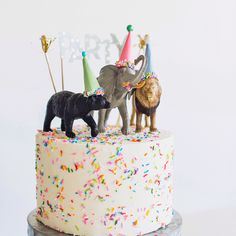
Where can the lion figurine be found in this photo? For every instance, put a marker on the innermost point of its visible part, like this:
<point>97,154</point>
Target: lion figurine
<point>146,99</point>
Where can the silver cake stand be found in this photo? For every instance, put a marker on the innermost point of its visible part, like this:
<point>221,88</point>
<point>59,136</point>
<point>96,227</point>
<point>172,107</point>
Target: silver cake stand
<point>35,228</point>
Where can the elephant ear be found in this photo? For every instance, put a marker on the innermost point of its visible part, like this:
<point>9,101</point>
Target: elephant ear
<point>107,80</point>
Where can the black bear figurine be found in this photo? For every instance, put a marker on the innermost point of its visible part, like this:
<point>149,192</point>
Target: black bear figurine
<point>70,106</point>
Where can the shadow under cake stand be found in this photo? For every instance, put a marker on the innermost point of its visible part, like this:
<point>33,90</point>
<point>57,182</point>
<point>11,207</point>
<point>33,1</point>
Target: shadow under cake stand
<point>35,228</point>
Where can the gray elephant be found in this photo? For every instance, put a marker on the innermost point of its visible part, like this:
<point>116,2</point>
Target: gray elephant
<point>112,80</point>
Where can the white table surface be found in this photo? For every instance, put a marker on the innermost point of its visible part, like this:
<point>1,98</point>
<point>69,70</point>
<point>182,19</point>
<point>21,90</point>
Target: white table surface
<point>217,222</point>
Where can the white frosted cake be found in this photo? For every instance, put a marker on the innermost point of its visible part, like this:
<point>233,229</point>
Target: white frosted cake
<point>105,186</point>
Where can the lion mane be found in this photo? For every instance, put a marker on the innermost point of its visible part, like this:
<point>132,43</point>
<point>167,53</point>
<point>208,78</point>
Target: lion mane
<point>149,95</point>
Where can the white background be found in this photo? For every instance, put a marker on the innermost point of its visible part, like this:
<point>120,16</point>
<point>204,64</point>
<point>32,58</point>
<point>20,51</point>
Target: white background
<point>195,54</point>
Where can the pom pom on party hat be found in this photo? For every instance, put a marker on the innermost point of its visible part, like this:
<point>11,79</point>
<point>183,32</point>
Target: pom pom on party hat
<point>91,85</point>
<point>125,56</point>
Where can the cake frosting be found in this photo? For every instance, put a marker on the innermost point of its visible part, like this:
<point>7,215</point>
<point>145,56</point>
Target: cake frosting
<point>111,185</point>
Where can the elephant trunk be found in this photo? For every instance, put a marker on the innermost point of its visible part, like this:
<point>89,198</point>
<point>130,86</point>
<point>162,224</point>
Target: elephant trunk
<point>138,75</point>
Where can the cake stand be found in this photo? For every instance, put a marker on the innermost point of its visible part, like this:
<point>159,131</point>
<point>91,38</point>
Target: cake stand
<point>35,228</point>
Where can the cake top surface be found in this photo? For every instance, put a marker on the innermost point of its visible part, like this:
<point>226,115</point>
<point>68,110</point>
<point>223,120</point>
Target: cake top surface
<point>112,136</point>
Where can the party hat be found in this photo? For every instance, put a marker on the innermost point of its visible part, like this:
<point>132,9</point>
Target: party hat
<point>148,55</point>
<point>149,72</point>
<point>91,85</point>
<point>125,56</point>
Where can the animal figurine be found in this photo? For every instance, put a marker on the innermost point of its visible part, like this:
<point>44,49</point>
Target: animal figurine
<point>147,99</point>
<point>117,82</point>
<point>112,79</point>
<point>70,106</point>
<point>133,114</point>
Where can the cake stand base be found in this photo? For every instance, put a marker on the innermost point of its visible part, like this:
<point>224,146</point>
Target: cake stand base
<point>35,228</point>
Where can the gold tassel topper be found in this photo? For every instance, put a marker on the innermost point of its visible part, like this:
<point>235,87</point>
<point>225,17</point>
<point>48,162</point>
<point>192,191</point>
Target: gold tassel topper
<point>46,43</point>
<point>143,41</point>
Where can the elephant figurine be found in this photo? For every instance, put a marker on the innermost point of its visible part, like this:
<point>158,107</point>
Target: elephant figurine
<point>112,79</point>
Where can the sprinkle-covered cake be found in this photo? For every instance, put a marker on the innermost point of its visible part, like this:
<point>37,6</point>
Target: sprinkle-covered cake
<point>101,180</point>
<point>106,186</point>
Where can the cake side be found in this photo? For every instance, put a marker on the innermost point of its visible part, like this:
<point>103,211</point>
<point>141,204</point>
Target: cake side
<point>109,185</point>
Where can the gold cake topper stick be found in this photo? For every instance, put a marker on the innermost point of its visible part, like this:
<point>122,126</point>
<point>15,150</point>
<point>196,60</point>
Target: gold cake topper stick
<point>46,42</point>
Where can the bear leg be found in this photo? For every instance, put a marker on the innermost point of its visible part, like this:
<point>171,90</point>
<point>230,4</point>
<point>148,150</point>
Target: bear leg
<point>63,125</point>
<point>92,124</point>
<point>68,127</point>
<point>47,121</point>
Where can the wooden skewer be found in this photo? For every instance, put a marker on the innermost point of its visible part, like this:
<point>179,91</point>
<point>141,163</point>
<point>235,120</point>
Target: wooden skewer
<point>62,75</point>
<point>50,73</point>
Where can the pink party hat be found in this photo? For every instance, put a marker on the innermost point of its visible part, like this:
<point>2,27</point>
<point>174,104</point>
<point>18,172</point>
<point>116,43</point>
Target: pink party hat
<point>125,56</point>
